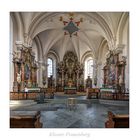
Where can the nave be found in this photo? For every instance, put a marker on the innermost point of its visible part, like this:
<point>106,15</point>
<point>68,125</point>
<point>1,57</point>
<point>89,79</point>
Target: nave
<point>69,69</point>
<point>55,113</point>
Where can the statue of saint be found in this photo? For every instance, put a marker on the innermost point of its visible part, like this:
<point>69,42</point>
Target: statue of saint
<point>51,81</point>
<point>120,79</point>
<point>70,83</point>
<point>88,82</point>
<point>19,77</point>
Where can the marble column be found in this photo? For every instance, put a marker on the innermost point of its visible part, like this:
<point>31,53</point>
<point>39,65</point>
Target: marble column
<point>92,75</point>
<point>15,83</point>
<point>39,75</point>
<point>77,74</point>
<point>22,84</point>
<point>47,75</point>
<point>62,78</point>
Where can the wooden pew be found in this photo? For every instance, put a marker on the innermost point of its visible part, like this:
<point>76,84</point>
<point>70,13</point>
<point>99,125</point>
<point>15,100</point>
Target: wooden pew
<point>22,119</point>
<point>23,95</point>
<point>117,121</point>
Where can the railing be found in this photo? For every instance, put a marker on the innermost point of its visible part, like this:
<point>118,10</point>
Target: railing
<point>94,93</point>
<point>31,95</point>
<point>114,96</point>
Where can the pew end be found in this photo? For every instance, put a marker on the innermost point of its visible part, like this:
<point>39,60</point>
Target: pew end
<point>117,121</point>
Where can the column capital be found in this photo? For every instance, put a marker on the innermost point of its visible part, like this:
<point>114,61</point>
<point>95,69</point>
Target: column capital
<point>99,63</point>
<point>19,45</point>
<point>119,48</point>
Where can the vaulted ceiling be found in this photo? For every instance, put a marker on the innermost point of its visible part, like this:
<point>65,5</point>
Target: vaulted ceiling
<point>89,30</point>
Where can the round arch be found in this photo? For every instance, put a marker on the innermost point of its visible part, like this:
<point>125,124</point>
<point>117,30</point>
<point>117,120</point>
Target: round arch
<point>86,55</point>
<point>16,17</point>
<point>122,24</point>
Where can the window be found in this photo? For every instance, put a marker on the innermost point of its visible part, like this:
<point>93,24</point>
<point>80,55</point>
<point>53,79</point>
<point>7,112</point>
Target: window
<point>50,67</point>
<point>89,67</point>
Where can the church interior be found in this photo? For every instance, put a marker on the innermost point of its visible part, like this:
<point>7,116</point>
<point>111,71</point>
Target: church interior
<point>69,70</point>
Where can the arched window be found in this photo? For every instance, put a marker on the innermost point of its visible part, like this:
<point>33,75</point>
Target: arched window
<point>50,67</point>
<point>89,67</point>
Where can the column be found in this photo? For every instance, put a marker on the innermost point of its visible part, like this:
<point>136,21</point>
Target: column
<point>62,78</point>
<point>93,75</point>
<point>95,67</point>
<point>77,74</point>
<point>34,77</point>
<point>47,75</point>
<point>22,85</point>
<point>43,75</point>
<point>39,75</point>
<point>99,75</point>
<point>15,83</point>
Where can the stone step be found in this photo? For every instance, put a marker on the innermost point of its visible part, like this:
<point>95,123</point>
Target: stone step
<point>22,102</point>
<point>63,101</point>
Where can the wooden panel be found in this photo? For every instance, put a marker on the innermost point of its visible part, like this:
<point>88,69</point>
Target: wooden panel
<point>25,120</point>
<point>117,121</point>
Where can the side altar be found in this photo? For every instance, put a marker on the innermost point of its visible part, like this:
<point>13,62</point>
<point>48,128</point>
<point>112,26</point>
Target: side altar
<point>25,70</point>
<point>114,73</point>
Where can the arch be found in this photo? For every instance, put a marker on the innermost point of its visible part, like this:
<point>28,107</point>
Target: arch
<point>53,53</point>
<point>39,59</point>
<point>122,23</point>
<point>19,25</point>
<point>39,48</point>
<point>101,48</point>
<point>89,44</point>
<point>43,16</point>
<point>40,18</point>
<point>87,54</point>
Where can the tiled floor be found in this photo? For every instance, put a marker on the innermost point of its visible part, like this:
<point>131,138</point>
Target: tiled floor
<point>56,114</point>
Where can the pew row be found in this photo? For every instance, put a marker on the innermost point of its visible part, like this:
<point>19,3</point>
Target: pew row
<point>117,121</point>
<point>25,119</point>
<point>47,93</point>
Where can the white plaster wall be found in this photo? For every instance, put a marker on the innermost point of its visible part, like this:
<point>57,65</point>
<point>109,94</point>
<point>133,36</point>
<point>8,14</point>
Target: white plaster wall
<point>126,52</point>
<point>11,56</point>
<point>101,64</point>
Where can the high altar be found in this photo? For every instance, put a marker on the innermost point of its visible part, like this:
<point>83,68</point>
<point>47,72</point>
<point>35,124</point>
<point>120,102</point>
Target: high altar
<point>70,74</point>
